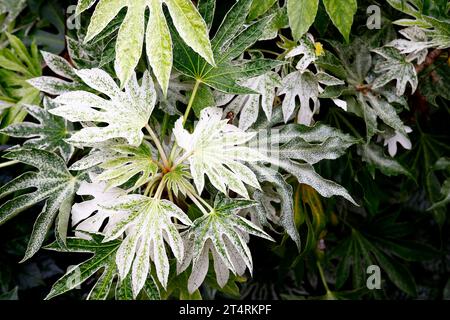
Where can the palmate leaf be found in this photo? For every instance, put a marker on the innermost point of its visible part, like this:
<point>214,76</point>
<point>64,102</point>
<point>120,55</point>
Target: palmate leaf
<point>186,19</point>
<point>303,85</point>
<point>54,184</point>
<point>125,112</point>
<point>395,67</point>
<point>54,85</point>
<point>128,162</point>
<point>104,259</point>
<point>229,42</point>
<point>103,263</point>
<point>151,225</point>
<point>360,250</point>
<point>221,232</point>
<point>215,148</point>
<point>48,134</point>
<point>376,106</point>
<point>248,105</point>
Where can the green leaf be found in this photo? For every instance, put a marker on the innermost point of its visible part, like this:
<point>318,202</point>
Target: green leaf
<point>126,112</point>
<point>259,7</point>
<point>341,13</point>
<point>53,183</point>
<point>103,259</point>
<point>130,39</point>
<point>49,134</point>
<point>301,15</point>
<point>229,42</point>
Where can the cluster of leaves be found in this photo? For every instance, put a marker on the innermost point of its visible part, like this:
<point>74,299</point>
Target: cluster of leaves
<point>209,138</point>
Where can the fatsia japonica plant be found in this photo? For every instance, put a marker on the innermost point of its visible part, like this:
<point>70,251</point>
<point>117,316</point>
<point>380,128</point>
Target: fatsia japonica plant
<point>167,139</point>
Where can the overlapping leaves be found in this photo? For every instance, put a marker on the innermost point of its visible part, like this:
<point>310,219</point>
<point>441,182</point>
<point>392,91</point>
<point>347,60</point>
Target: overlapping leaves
<point>222,232</point>
<point>230,41</point>
<point>185,17</point>
<point>126,113</point>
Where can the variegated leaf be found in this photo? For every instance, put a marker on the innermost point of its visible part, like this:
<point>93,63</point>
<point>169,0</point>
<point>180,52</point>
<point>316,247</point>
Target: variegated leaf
<point>395,67</point>
<point>374,156</point>
<point>150,223</point>
<point>215,148</point>
<point>103,260</point>
<point>129,162</point>
<point>49,134</point>
<point>248,106</point>
<point>130,39</point>
<point>89,216</point>
<point>305,87</point>
<point>53,183</point>
<point>125,112</point>
<point>54,85</point>
<point>222,232</point>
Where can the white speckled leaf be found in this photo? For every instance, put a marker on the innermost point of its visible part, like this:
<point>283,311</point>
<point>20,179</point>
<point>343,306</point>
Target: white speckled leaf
<point>150,226</point>
<point>103,260</point>
<point>395,67</point>
<point>53,183</point>
<point>306,174</point>
<point>216,149</point>
<point>48,134</point>
<point>128,162</point>
<point>248,105</point>
<point>125,112</point>
<point>221,232</point>
<point>374,156</point>
<point>305,87</point>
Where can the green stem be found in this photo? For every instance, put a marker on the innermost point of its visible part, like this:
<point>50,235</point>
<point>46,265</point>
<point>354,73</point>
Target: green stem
<point>9,163</point>
<point>191,101</point>
<point>322,277</point>
<point>158,145</point>
<point>197,203</point>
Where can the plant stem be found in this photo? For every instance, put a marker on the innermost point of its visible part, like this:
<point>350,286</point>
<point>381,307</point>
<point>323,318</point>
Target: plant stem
<point>191,101</point>
<point>158,145</point>
<point>183,158</point>
<point>322,277</point>
<point>206,204</point>
<point>160,189</point>
<point>9,163</point>
<point>197,203</point>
